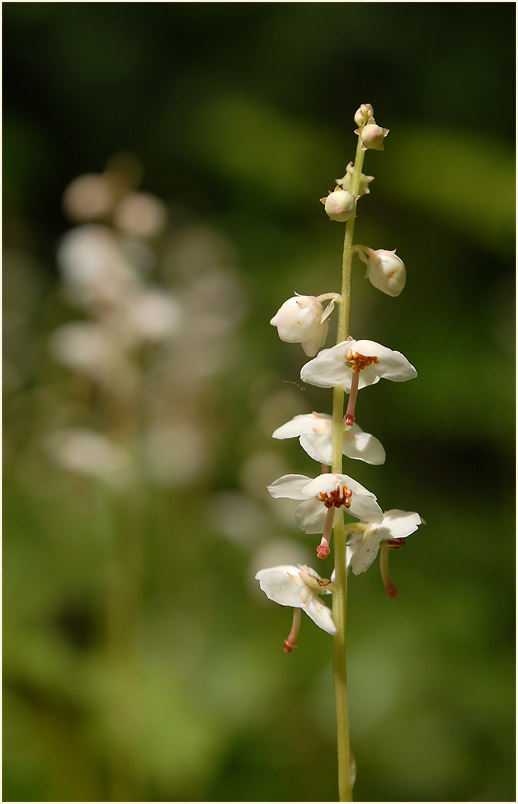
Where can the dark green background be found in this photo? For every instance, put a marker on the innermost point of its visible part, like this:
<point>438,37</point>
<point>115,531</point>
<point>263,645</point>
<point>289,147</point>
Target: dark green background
<point>242,117</point>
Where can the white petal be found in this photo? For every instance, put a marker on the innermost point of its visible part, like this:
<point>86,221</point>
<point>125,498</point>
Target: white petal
<point>295,427</point>
<point>365,555</point>
<point>329,368</point>
<point>398,524</point>
<point>364,447</point>
<point>290,568</point>
<point>289,486</point>
<point>324,484</point>
<point>392,365</point>
<point>317,339</point>
<point>310,516</point>
<point>321,615</point>
<point>318,446</point>
<point>282,586</point>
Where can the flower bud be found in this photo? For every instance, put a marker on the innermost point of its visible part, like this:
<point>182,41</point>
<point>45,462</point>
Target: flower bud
<point>372,136</point>
<point>346,181</point>
<point>340,205</point>
<point>386,271</point>
<point>363,114</point>
<point>299,320</point>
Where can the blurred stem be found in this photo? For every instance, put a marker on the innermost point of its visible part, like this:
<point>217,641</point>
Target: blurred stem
<point>340,594</point>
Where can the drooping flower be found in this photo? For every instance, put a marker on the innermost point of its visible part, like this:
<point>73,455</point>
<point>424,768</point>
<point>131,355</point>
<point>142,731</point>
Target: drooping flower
<point>302,319</point>
<point>298,587</point>
<point>369,360</point>
<point>385,270</point>
<point>315,432</point>
<point>324,494</point>
<point>389,534</point>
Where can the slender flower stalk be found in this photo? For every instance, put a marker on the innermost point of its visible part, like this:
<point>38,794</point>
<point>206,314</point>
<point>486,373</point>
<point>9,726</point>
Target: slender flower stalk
<point>340,593</point>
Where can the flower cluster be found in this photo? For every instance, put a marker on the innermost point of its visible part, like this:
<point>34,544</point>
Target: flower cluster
<point>351,365</point>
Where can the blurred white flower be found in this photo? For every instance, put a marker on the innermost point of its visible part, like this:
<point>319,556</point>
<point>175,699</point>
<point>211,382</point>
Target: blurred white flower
<point>153,315</point>
<point>176,453</point>
<point>89,197</point>
<point>90,349</point>
<point>86,452</point>
<point>94,267</point>
<point>140,215</point>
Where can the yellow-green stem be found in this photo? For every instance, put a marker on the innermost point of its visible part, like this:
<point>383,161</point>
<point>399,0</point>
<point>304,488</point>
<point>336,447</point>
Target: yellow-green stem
<point>340,594</point>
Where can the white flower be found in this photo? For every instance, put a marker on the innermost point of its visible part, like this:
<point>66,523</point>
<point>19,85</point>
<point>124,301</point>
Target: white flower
<point>315,435</point>
<point>298,587</point>
<point>396,525</point>
<point>302,319</point>
<point>336,366</point>
<point>385,270</point>
<point>321,493</point>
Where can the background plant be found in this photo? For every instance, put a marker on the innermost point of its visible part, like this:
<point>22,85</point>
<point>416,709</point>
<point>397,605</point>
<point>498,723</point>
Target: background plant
<point>227,149</point>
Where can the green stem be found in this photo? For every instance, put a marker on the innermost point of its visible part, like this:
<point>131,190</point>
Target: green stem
<point>345,782</point>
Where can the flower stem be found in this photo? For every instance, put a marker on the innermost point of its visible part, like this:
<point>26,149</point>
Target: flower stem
<point>345,782</point>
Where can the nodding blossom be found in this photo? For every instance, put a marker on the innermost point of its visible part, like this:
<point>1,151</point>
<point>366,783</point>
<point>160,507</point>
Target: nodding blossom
<point>369,360</point>
<point>395,526</point>
<point>369,538</point>
<point>302,319</point>
<point>315,432</point>
<point>325,493</point>
<point>298,587</point>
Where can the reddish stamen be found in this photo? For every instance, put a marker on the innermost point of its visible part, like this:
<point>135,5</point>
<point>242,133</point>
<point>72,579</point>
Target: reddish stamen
<point>291,641</point>
<point>359,362</point>
<point>337,498</point>
<point>351,406</point>
<point>390,587</point>
<point>323,548</point>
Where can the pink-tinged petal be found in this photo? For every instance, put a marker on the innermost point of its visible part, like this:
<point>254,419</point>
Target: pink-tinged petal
<point>303,423</point>
<point>310,516</point>
<point>289,486</point>
<point>281,586</point>
<point>321,615</point>
<point>398,524</point>
<point>365,447</point>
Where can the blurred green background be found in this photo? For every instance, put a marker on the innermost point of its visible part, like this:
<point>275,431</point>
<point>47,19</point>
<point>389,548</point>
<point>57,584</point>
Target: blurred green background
<point>140,660</point>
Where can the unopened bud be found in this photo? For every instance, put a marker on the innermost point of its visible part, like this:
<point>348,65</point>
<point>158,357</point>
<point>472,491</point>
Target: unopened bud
<point>346,181</point>
<point>372,136</point>
<point>340,205</point>
<point>363,114</point>
<point>385,270</point>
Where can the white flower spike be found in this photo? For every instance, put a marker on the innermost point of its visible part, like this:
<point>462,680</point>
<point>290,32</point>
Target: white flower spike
<point>315,433</point>
<point>298,587</point>
<point>302,319</point>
